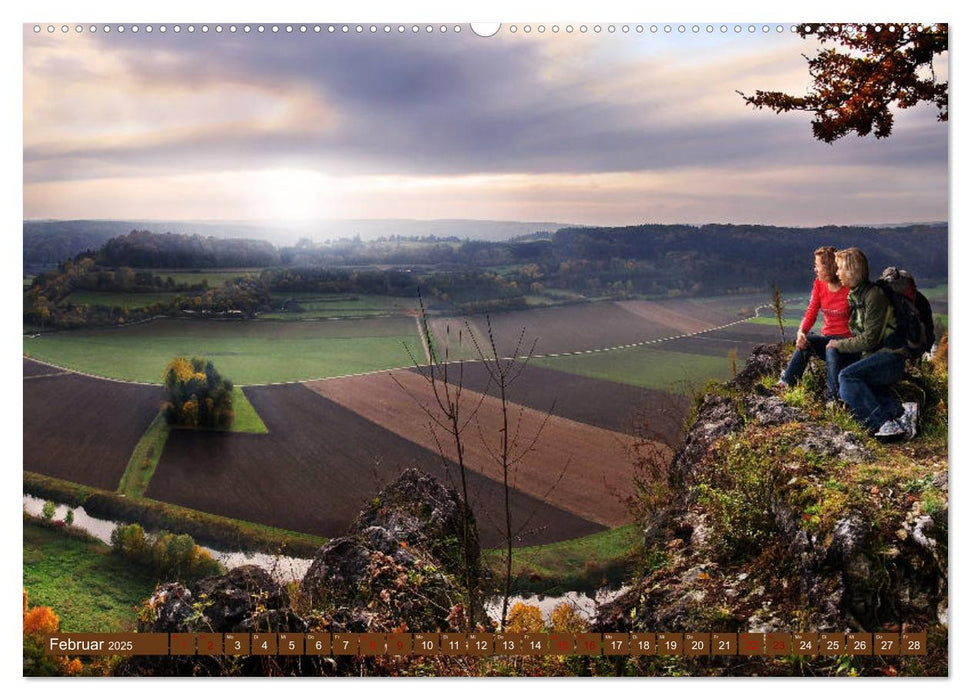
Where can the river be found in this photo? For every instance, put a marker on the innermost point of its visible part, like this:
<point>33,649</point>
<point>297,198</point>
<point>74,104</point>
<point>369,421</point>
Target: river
<point>286,569</point>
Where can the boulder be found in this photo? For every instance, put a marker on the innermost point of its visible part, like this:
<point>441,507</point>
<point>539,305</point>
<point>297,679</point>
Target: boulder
<point>246,600</point>
<point>400,566</point>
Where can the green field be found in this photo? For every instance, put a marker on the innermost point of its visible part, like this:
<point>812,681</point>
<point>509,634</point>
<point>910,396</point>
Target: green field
<point>89,588</point>
<point>583,564</point>
<point>315,305</point>
<point>248,352</point>
<point>676,372</point>
<point>247,419</point>
<point>144,459</point>
<point>120,299</point>
<point>787,321</point>
<point>937,292</point>
<point>212,277</point>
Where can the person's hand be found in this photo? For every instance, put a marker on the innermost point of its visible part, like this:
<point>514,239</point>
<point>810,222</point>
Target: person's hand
<point>832,344</point>
<point>801,341</point>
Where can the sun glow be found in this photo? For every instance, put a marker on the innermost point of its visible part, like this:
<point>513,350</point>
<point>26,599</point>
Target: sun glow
<point>293,195</point>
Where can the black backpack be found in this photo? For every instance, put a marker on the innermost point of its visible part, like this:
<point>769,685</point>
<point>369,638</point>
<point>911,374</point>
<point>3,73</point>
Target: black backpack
<point>915,321</point>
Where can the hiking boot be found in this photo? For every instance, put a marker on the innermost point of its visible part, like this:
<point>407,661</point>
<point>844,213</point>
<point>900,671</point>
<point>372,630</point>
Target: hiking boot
<point>891,428</point>
<point>782,384</point>
<point>909,419</point>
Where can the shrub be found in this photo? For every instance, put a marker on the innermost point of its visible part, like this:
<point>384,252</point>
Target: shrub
<point>524,618</point>
<point>48,510</point>
<point>168,555</point>
<point>737,490</point>
<point>566,618</point>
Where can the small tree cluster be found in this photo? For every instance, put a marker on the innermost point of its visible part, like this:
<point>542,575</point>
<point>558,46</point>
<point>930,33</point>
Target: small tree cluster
<point>168,555</point>
<point>198,396</point>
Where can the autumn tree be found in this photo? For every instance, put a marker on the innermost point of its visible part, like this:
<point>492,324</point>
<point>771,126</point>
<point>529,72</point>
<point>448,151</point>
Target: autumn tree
<point>39,623</point>
<point>198,396</point>
<point>872,68</point>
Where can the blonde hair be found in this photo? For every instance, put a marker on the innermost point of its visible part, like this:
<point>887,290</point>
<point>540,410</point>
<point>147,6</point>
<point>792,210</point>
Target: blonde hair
<point>828,255</point>
<point>855,263</point>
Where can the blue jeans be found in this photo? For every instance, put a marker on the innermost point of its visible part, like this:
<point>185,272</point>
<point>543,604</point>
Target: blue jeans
<point>864,387</point>
<point>835,361</point>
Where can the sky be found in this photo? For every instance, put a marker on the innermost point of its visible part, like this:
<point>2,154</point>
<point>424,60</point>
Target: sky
<point>603,128</point>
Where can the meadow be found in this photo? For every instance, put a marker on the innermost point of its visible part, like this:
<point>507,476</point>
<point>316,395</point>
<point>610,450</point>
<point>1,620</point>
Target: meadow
<point>249,352</point>
<point>89,588</point>
<point>212,277</point>
<point>121,300</point>
<point>645,367</point>
<point>313,305</point>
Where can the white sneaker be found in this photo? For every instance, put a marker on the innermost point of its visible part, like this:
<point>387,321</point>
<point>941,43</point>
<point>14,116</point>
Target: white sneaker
<point>891,428</point>
<point>909,419</point>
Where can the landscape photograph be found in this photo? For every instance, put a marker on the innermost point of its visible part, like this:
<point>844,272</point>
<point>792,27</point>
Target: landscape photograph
<point>463,350</point>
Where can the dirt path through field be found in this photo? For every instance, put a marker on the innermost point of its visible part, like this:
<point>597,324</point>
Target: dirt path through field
<point>598,471</point>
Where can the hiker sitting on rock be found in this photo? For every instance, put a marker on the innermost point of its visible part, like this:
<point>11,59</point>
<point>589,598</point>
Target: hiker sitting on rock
<point>864,385</point>
<point>830,297</point>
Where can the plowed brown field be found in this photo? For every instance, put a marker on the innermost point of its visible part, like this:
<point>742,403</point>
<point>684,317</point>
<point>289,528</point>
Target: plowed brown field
<point>319,466</point>
<point>83,429</point>
<point>682,316</point>
<point>577,467</point>
<point>556,329</point>
<point>620,407</point>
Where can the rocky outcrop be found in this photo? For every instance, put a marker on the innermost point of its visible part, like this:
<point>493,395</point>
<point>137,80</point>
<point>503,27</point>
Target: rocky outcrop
<point>401,564</point>
<point>764,361</point>
<point>399,568</point>
<point>780,520</point>
<point>245,599</point>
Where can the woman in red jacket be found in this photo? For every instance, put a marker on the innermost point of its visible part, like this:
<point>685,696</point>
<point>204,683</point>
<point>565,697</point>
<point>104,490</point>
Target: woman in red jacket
<point>830,297</point>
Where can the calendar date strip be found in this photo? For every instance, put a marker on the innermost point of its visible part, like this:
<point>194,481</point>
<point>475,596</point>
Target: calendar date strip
<point>687,644</point>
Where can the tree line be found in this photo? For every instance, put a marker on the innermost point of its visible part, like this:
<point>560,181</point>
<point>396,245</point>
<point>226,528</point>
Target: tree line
<point>650,260</point>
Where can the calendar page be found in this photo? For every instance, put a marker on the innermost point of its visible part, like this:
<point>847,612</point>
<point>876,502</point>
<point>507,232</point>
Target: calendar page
<point>516,349</point>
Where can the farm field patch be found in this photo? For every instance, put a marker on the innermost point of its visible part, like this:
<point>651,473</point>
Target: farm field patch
<point>553,329</point>
<point>681,315</point>
<point>581,564</point>
<point>739,305</point>
<point>715,346</point>
<point>212,277</point>
<point>647,367</point>
<point>248,352</point>
<point>314,305</point>
<point>605,404</point>
<point>120,299</point>
<point>577,467</point>
<point>84,429</point>
<point>318,466</point>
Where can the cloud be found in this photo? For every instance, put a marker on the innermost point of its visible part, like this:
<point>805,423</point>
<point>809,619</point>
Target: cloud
<point>428,108</point>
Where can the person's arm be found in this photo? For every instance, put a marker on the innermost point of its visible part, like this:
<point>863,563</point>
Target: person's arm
<point>809,320</point>
<point>875,305</point>
<point>812,311</point>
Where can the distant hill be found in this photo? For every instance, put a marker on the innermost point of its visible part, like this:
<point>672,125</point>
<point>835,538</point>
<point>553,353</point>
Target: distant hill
<point>47,243</point>
<point>646,259</point>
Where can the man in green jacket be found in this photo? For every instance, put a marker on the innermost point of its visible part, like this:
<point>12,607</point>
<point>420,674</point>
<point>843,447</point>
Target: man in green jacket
<point>863,385</point>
